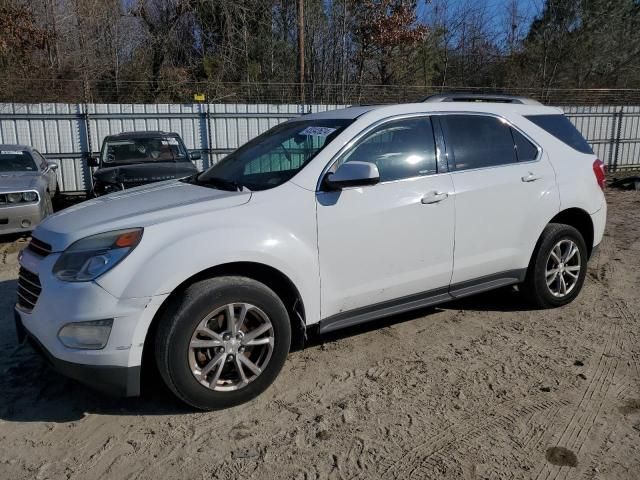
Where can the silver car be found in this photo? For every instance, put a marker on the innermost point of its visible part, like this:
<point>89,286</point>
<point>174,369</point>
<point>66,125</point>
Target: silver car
<point>28,184</point>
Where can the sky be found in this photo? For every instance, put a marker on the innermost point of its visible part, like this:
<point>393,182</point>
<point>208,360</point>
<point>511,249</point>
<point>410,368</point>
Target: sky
<point>497,11</point>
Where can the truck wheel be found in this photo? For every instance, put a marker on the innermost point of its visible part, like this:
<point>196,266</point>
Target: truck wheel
<point>222,342</point>
<point>558,267</point>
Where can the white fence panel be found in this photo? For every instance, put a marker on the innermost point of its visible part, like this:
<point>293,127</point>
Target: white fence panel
<point>66,133</point>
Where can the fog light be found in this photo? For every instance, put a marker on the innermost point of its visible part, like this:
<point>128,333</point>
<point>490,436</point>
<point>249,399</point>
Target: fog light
<point>26,223</point>
<point>86,335</point>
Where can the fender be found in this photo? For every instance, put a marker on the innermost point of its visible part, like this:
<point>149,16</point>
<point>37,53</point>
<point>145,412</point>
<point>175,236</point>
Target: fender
<point>172,252</point>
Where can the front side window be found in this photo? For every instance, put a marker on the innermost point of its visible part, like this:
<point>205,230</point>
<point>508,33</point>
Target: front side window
<point>478,141</point>
<point>16,161</point>
<point>274,157</point>
<point>400,149</point>
<point>40,159</point>
<point>137,150</point>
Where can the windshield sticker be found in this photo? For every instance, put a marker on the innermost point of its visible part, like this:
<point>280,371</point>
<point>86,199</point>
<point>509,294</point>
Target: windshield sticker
<point>318,131</point>
<point>172,141</point>
<point>11,152</point>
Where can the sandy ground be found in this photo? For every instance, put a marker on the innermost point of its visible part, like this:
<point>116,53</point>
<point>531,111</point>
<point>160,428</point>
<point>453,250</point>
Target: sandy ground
<point>475,389</point>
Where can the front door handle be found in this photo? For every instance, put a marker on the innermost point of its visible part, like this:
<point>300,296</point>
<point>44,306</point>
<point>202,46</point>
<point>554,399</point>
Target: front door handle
<point>531,177</point>
<point>434,197</point>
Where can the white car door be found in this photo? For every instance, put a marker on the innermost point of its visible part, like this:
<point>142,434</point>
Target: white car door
<point>390,245</point>
<point>505,193</point>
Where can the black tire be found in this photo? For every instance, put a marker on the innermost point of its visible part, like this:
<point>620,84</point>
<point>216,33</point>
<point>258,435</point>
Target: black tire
<point>535,285</point>
<point>183,315</point>
<point>48,205</point>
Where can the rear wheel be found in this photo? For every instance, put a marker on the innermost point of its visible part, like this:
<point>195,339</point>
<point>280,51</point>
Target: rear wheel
<point>558,267</point>
<point>222,342</point>
<point>48,205</point>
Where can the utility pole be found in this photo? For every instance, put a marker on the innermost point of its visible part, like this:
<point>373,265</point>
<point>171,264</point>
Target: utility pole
<point>301,49</point>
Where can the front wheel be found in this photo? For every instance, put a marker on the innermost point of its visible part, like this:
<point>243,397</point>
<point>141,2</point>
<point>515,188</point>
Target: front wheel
<point>558,267</point>
<point>222,342</point>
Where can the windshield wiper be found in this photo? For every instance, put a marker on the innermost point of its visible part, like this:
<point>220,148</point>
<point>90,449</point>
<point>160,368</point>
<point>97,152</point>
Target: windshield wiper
<point>222,183</point>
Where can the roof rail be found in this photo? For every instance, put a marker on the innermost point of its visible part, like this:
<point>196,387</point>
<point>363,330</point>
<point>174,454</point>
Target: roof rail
<point>479,97</point>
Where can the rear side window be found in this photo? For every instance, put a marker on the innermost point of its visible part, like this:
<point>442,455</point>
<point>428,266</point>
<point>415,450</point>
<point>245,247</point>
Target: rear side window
<point>525,150</point>
<point>477,141</point>
<point>560,127</point>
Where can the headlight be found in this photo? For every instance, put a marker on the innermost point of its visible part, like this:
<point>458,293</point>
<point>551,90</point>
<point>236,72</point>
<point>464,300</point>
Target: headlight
<point>30,196</point>
<point>14,197</point>
<point>90,257</point>
<point>18,197</point>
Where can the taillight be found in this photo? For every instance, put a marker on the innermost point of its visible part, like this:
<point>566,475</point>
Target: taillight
<point>600,171</point>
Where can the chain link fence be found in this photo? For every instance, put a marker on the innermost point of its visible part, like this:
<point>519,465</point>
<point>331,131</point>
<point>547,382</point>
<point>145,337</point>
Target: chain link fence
<point>34,90</point>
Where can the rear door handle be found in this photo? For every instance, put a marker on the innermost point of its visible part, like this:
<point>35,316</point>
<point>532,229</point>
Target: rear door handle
<point>434,197</point>
<point>531,177</point>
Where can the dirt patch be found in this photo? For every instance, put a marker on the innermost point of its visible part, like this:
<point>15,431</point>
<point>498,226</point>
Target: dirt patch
<point>631,406</point>
<point>478,388</point>
<point>562,457</point>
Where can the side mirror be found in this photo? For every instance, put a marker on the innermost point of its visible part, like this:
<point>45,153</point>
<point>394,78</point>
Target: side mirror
<point>93,161</point>
<point>52,166</point>
<point>195,155</point>
<point>352,174</point>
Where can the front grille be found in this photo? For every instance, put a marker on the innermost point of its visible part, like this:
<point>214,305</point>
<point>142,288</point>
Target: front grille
<point>29,289</point>
<point>39,247</point>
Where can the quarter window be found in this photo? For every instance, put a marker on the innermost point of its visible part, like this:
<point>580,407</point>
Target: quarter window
<point>477,141</point>
<point>560,127</point>
<point>400,149</point>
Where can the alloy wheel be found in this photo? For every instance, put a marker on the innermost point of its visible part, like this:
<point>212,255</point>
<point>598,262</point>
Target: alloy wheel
<point>563,268</point>
<point>231,347</point>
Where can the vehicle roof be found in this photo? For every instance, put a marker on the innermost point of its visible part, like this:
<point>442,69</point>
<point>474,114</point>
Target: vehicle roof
<point>398,109</point>
<point>141,134</point>
<point>15,146</point>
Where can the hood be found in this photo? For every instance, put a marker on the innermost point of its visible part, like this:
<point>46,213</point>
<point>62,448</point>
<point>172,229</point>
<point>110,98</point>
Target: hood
<point>144,172</point>
<point>12,181</point>
<point>138,207</point>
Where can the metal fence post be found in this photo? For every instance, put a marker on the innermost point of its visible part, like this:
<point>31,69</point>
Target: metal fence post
<point>208,123</point>
<point>88,143</point>
<point>616,154</point>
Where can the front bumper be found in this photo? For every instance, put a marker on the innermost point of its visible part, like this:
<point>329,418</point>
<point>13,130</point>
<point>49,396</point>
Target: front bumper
<point>113,380</point>
<point>12,217</point>
<point>114,368</point>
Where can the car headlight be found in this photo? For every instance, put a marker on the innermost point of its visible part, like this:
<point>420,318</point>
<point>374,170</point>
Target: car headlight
<point>18,197</point>
<point>90,257</point>
<point>30,196</point>
<point>14,197</point>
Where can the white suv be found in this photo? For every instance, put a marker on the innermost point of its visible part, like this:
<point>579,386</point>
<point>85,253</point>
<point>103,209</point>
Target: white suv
<point>325,221</point>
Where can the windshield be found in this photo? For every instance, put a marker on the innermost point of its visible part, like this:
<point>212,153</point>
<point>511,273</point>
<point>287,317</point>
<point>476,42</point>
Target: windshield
<point>136,150</point>
<point>274,157</point>
<point>16,161</point>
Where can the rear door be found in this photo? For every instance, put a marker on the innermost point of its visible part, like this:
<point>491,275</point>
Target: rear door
<point>383,243</point>
<point>505,193</point>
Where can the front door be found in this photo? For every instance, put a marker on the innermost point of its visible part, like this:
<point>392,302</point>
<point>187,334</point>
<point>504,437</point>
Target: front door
<point>387,242</point>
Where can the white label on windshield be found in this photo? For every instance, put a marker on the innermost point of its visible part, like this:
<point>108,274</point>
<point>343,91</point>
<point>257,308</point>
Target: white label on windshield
<point>11,152</point>
<point>172,141</point>
<point>318,131</point>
